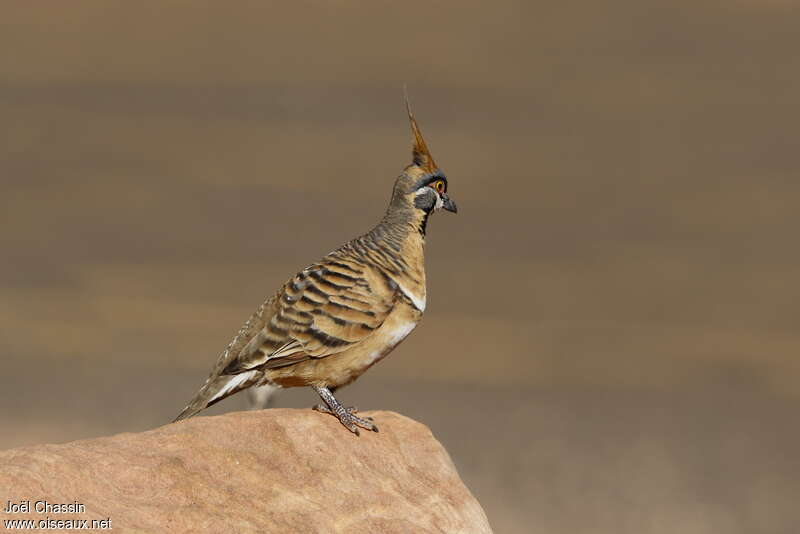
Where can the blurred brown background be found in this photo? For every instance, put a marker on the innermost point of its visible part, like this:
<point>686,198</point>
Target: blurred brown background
<point>611,342</point>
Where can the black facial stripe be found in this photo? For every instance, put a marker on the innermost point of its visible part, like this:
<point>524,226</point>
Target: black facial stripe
<point>426,201</point>
<point>428,179</point>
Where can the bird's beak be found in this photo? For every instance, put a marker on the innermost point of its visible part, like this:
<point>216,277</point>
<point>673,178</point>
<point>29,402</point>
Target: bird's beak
<point>448,204</point>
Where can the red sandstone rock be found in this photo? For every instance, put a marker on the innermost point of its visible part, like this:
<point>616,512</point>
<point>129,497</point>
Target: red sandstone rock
<point>270,471</point>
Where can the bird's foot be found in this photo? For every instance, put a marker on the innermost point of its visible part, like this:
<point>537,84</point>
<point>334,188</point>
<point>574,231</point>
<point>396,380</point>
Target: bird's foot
<point>346,415</point>
<point>323,408</point>
<point>349,418</point>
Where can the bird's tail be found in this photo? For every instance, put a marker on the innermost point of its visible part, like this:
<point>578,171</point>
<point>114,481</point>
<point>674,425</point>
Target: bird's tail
<point>217,388</point>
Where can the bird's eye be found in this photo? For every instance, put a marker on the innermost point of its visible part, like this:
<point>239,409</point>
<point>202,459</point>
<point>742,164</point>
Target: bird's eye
<point>439,186</point>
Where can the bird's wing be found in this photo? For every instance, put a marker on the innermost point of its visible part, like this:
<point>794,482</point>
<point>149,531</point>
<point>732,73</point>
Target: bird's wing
<point>323,310</point>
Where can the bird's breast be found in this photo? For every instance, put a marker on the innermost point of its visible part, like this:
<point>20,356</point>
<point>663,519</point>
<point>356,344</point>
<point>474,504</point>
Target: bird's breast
<point>398,325</point>
<point>390,339</point>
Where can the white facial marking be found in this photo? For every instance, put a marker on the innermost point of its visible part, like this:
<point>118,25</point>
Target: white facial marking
<point>424,190</point>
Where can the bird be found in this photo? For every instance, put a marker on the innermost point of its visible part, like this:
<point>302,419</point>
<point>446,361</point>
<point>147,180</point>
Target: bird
<point>339,316</point>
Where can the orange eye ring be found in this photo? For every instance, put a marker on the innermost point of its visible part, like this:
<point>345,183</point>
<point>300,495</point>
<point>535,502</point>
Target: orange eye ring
<point>438,185</point>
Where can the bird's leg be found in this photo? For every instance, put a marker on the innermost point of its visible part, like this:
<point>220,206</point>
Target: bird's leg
<point>345,415</point>
<point>322,407</point>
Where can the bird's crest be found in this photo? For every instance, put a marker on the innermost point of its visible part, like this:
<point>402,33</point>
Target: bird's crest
<point>422,157</point>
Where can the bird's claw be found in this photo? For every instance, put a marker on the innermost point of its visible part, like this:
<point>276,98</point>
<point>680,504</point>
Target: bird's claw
<point>352,422</point>
<point>349,418</point>
<point>323,408</point>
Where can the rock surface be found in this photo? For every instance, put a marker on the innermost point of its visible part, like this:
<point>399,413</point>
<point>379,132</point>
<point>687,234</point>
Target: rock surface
<point>274,470</point>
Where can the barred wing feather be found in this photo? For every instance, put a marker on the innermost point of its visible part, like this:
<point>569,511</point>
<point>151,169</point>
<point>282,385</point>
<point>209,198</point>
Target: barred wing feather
<point>323,310</point>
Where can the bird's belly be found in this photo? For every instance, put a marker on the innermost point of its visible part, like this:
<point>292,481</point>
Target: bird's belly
<point>391,338</point>
<point>344,367</point>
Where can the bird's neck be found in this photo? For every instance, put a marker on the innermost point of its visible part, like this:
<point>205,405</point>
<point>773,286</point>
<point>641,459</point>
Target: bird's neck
<point>399,233</point>
<point>399,236</point>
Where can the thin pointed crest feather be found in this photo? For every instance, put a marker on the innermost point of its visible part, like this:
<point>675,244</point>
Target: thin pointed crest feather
<point>422,157</point>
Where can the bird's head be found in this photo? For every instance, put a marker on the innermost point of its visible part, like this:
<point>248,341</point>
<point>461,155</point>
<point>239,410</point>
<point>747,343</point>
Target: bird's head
<point>422,187</point>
